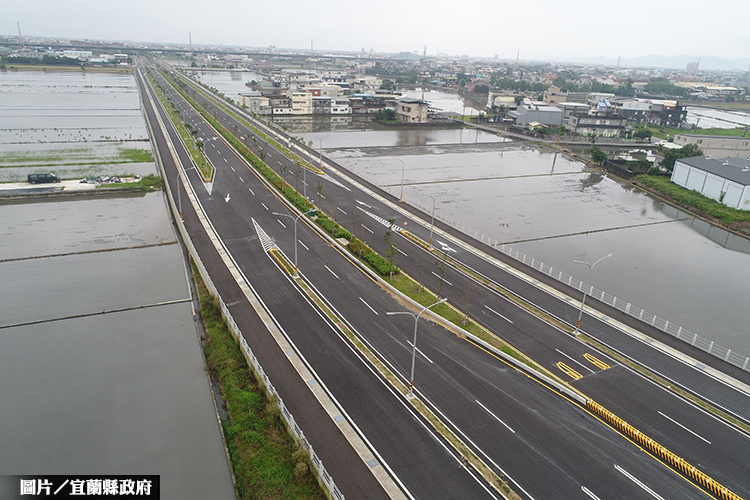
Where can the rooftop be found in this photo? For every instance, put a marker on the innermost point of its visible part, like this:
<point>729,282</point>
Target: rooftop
<point>734,169</point>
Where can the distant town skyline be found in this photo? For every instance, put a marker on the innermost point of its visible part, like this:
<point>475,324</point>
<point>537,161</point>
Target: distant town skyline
<point>546,30</point>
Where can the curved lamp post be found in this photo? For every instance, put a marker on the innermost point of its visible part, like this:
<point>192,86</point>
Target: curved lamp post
<point>432,222</point>
<point>591,268</point>
<point>295,232</point>
<point>414,344</point>
<point>403,168</point>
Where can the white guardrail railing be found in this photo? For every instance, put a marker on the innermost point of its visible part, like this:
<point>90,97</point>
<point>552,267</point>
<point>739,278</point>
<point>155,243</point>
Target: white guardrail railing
<point>665,326</point>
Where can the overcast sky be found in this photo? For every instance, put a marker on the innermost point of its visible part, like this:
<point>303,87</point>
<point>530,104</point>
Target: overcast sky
<point>542,29</point>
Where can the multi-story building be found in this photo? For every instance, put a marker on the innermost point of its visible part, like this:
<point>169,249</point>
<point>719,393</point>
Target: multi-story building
<point>340,106</point>
<point>602,126</point>
<point>536,112</point>
<point>255,102</point>
<point>280,104</point>
<point>410,110</point>
<point>301,102</point>
<point>717,146</point>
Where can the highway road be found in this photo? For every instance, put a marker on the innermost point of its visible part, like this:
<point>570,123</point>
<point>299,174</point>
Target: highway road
<point>458,366</point>
<point>416,452</point>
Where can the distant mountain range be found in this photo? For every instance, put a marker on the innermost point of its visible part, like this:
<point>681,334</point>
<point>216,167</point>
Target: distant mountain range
<point>672,62</point>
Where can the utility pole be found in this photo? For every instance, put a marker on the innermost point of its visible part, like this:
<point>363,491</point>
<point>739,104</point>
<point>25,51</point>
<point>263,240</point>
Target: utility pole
<point>20,36</point>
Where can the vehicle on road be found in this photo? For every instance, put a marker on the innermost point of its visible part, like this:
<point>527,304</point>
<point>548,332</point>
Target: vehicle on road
<point>46,177</point>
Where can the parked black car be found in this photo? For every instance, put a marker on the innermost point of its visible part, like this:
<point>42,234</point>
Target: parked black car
<point>43,178</point>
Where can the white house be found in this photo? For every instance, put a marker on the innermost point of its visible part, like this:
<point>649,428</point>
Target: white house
<point>725,179</point>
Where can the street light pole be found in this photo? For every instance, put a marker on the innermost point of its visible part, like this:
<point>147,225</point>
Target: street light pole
<point>414,344</point>
<point>432,222</point>
<point>403,168</point>
<point>295,232</point>
<point>591,268</point>
<point>320,158</point>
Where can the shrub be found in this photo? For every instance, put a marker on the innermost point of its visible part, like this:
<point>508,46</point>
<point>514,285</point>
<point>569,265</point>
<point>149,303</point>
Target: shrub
<point>380,264</point>
<point>343,233</point>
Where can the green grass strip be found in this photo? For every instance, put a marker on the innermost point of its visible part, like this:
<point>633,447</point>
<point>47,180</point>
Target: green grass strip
<point>190,141</point>
<point>267,461</point>
<point>694,200</point>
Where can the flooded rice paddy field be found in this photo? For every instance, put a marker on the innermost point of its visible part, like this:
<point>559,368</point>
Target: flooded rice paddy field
<point>74,124</point>
<point>87,392</point>
<point>665,260</point>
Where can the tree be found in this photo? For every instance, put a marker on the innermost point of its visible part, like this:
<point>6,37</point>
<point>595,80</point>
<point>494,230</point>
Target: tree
<point>441,267</point>
<point>597,154</point>
<point>318,190</point>
<point>297,174</point>
<point>420,268</point>
<point>388,85</point>
<point>465,292</point>
<point>642,133</point>
<point>687,151</point>
<point>390,247</point>
<point>385,115</point>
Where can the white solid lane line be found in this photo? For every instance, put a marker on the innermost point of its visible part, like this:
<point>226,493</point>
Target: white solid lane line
<point>329,270</point>
<point>444,280</point>
<point>496,417</point>
<point>574,361</point>
<point>691,432</point>
<point>492,310</point>
<point>368,305</point>
<point>636,481</point>
<point>588,492</point>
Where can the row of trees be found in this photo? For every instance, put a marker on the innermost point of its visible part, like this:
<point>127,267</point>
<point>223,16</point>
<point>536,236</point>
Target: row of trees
<point>46,60</point>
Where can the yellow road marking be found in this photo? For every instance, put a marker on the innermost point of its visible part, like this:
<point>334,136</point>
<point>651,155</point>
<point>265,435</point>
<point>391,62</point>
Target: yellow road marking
<point>569,371</point>
<point>596,362</point>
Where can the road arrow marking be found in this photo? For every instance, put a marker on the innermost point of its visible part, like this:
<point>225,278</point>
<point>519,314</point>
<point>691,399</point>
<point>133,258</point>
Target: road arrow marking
<point>227,199</point>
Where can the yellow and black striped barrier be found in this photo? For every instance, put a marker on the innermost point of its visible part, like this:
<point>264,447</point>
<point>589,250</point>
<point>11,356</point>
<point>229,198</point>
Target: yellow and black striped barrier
<point>698,476</point>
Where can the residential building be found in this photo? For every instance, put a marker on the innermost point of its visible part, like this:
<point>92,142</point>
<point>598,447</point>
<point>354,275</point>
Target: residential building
<point>301,102</point>
<point>411,110</point>
<point>321,105</point>
<point>255,102</point>
<point>554,94</point>
<point>367,103</point>
<point>280,104</point>
<point>572,108</point>
<point>636,111</point>
<point>595,98</point>
<point>497,101</point>
<point>536,111</point>
<point>324,90</point>
<point>668,113</point>
<point>602,126</point>
<point>340,106</point>
<point>365,83</point>
<point>726,179</point>
<point>717,146</point>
